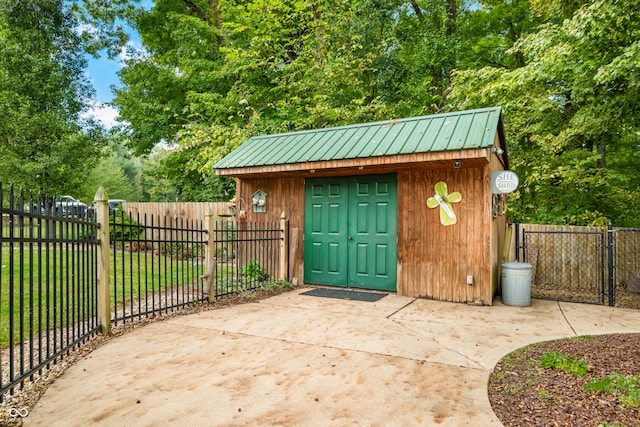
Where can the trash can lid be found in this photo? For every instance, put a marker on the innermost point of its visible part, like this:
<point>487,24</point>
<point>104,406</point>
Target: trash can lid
<point>517,265</point>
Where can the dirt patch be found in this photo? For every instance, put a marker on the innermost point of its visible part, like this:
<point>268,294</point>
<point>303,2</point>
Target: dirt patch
<point>524,394</point>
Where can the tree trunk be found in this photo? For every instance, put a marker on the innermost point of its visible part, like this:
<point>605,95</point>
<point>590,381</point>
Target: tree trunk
<point>602,151</point>
<point>452,17</point>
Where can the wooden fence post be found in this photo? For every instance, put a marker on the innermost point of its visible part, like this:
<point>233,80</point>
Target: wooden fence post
<point>104,248</point>
<point>284,248</point>
<point>211,227</point>
<point>210,254</point>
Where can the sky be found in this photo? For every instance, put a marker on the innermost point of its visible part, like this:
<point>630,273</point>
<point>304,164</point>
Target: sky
<point>103,74</point>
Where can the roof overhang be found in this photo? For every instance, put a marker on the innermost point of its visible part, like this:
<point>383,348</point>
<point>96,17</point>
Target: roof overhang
<point>473,137</point>
<point>435,160</point>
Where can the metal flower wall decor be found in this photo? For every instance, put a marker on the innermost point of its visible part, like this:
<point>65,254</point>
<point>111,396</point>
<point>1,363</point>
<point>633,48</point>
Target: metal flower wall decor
<point>444,200</point>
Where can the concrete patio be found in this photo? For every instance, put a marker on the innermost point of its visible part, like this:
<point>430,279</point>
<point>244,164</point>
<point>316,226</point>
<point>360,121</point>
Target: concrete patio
<point>297,360</point>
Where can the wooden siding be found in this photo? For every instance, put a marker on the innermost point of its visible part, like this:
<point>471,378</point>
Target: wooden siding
<point>434,260</point>
<point>498,205</point>
<point>284,196</point>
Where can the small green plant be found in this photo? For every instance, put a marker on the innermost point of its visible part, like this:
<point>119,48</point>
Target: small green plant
<point>123,227</point>
<point>225,285</point>
<point>545,394</point>
<point>578,338</point>
<point>248,295</point>
<point>568,364</point>
<point>219,253</point>
<point>626,387</point>
<point>513,389</point>
<point>272,285</point>
<point>253,271</point>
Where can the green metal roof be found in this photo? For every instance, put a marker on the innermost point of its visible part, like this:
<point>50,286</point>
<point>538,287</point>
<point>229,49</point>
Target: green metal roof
<point>441,132</point>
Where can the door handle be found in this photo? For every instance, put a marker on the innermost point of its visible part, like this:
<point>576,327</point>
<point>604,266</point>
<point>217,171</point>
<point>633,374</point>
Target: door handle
<point>350,238</point>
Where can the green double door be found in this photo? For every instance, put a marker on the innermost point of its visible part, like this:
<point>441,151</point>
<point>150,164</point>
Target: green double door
<point>350,231</point>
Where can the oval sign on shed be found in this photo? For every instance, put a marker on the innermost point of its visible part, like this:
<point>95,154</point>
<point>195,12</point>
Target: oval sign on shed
<point>503,182</point>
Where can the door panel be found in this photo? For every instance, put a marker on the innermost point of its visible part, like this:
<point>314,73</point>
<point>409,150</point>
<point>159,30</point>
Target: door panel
<point>373,228</point>
<point>325,243</point>
<point>351,231</point>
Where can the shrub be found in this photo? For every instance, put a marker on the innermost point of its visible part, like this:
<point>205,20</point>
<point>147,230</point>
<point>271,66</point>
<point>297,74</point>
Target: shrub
<point>253,271</point>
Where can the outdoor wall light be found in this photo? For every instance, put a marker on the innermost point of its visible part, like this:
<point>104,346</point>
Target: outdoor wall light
<point>456,164</point>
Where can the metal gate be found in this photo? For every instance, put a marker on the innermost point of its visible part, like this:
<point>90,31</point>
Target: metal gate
<point>568,265</point>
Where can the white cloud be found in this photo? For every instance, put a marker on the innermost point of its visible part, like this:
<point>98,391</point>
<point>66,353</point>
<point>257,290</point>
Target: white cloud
<point>132,50</point>
<point>105,114</point>
<point>87,29</point>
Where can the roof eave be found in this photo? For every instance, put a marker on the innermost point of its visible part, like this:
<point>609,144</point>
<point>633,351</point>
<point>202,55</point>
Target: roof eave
<point>436,160</point>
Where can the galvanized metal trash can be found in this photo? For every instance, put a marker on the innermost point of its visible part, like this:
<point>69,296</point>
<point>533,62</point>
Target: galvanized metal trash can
<point>516,283</point>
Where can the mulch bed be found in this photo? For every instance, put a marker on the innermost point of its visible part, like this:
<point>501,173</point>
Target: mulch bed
<point>524,394</point>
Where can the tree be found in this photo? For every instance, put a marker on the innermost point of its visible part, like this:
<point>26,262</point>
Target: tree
<point>44,144</point>
<point>489,32</point>
<point>117,171</point>
<point>217,72</point>
<point>108,174</point>
<point>268,66</point>
<point>156,186</point>
<point>572,114</point>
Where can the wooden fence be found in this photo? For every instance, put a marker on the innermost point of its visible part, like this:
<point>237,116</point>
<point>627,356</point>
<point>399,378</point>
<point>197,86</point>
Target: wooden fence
<point>171,221</point>
<point>193,211</point>
<point>573,250</point>
<point>174,221</point>
<point>564,255</point>
<point>627,256</point>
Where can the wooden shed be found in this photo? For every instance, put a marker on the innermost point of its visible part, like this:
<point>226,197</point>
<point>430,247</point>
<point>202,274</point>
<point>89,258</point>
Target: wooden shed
<point>401,205</point>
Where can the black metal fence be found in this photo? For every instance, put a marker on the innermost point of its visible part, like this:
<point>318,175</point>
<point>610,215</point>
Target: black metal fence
<point>48,281</point>
<point>581,264</point>
<point>157,264</point>
<point>246,256</point>
<point>626,266</point>
<point>49,253</point>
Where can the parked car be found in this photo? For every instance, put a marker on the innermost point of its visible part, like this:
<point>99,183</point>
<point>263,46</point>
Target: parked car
<point>69,205</point>
<point>114,204</point>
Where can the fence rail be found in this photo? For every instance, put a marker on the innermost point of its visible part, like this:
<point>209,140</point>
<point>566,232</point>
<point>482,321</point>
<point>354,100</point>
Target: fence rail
<point>58,288</point>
